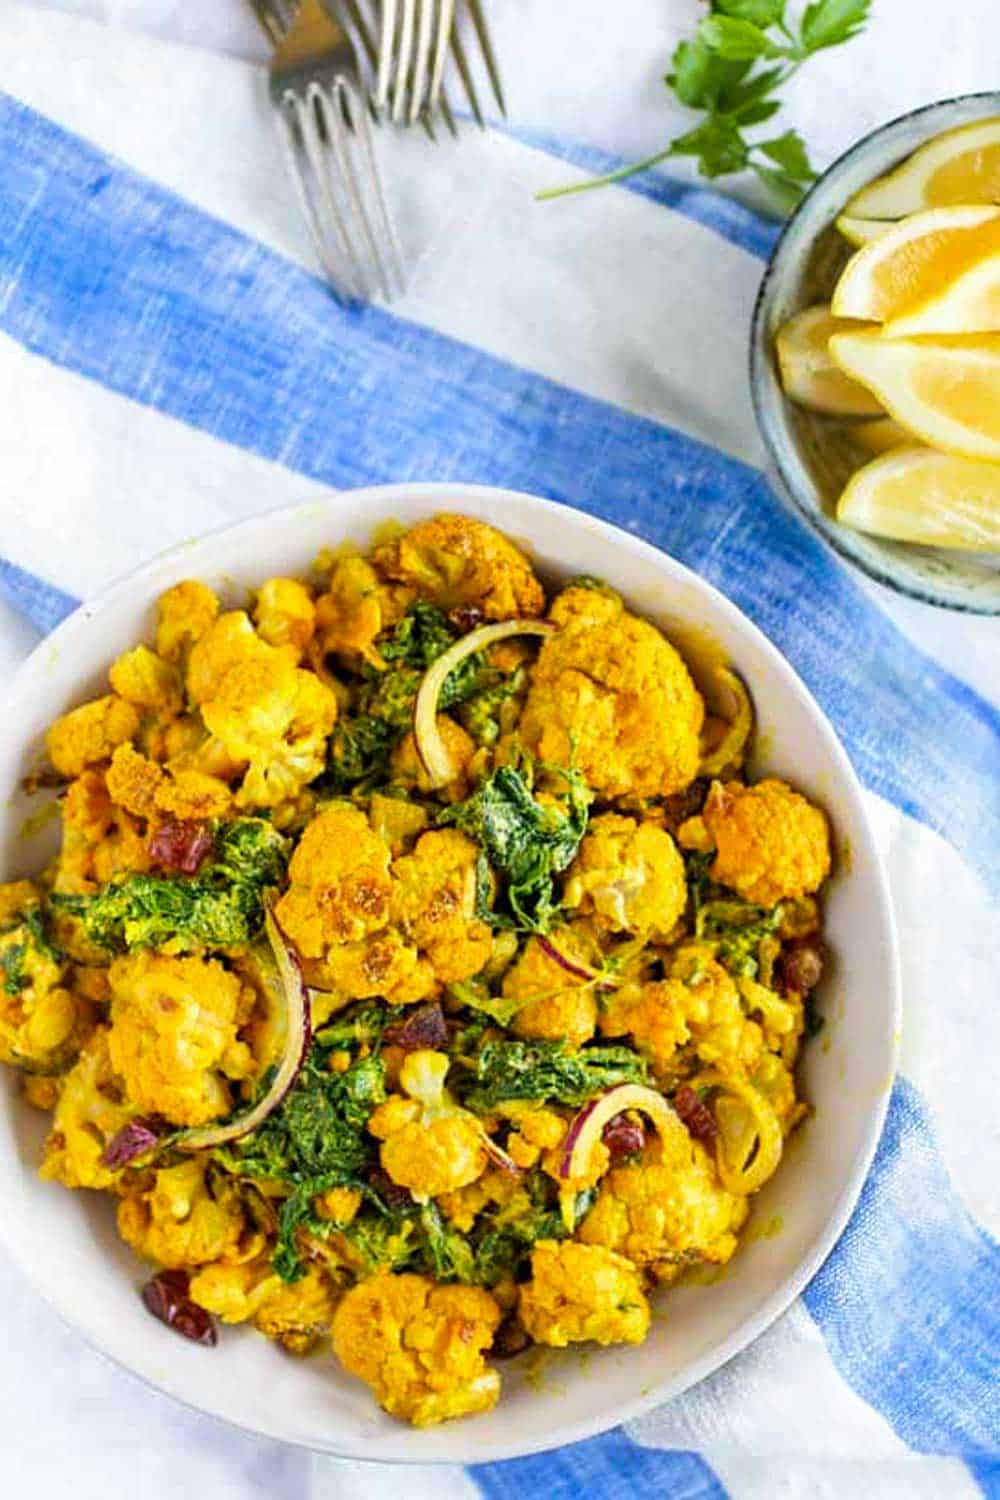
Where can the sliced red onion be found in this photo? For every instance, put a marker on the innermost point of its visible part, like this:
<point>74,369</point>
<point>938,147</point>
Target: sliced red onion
<point>166,1297</point>
<point>182,845</point>
<point>431,747</point>
<point>587,1127</point>
<point>572,965</point>
<point>282,977</point>
<point>424,1027</point>
<point>696,1115</point>
<point>623,1137</point>
<point>135,1139</point>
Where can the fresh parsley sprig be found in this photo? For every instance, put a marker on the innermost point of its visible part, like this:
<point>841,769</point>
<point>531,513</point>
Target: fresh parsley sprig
<point>732,70</point>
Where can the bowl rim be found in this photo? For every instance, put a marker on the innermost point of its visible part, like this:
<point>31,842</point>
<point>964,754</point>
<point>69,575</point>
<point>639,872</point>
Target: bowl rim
<point>760,370</point>
<point>449,495</point>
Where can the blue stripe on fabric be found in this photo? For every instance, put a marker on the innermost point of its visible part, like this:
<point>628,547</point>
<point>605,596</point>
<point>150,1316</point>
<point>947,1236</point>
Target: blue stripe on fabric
<point>108,274</point>
<point>729,218</point>
<point>41,603</point>
<point>909,1301</point>
<point>611,1467</point>
<point>986,1473</point>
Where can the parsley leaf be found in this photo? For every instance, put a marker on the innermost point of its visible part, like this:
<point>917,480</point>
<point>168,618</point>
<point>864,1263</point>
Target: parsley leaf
<point>828,23</point>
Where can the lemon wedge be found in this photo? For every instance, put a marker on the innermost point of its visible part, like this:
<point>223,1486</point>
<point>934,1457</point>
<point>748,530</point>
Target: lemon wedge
<point>917,495</point>
<point>960,166</point>
<point>809,375</point>
<point>946,391</point>
<point>914,260</point>
<point>968,303</point>
<point>858,232</point>
<point>880,435</point>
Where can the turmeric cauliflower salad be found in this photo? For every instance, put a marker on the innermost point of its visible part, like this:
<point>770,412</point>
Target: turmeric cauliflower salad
<point>420,973</point>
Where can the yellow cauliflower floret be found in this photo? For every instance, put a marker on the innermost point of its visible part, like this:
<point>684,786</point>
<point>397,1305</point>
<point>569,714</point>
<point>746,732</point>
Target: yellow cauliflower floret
<point>612,697</point>
<point>396,820</point>
<point>285,615</point>
<point>429,1144</point>
<point>145,679</point>
<point>91,1110</point>
<point>184,613</point>
<point>133,781</point>
<point>99,839</point>
<point>697,1008</point>
<point>339,883</point>
<point>42,1020</point>
<point>419,1346</point>
<point>770,844</point>
<point>174,1217</point>
<point>266,713</point>
<point>354,612</point>
<point>553,1004</point>
<point>582,1294</point>
<point>458,563</point>
<point>174,1034</point>
<point>628,876</point>
<point>91,733</point>
<point>295,1315</point>
<point>193,795</point>
<point>434,904</point>
<point>667,1211</point>
<point>16,898</point>
<point>408,769</point>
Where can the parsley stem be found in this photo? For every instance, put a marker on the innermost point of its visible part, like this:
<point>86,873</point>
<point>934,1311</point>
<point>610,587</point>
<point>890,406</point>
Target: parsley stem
<point>592,182</point>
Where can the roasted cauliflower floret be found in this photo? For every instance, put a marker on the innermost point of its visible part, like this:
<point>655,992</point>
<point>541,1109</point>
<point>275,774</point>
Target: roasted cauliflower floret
<point>612,697</point>
<point>408,769</point>
<point>90,1111</point>
<point>91,733</point>
<point>628,876</point>
<point>339,884</point>
<point>42,1019</point>
<point>770,844</point>
<point>173,1036</point>
<point>458,563</point>
<point>434,904</point>
<point>697,1012</point>
<point>668,1211</point>
<point>419,1346</point>
<point>100,840</point>
<point>145,679</point>
<point>267,714</point>
<point>582,1294</point>
<point>553,1004</point>
<point>296,1315</point>
<point>133,781</point>
<point>285,615</point>
<point>184,613</point>
<point>177,1217</point>
<point>354,611</point>
<point>429,1145</point>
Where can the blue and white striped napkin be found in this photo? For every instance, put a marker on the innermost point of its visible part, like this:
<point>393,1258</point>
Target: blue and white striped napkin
<point>169,361</point>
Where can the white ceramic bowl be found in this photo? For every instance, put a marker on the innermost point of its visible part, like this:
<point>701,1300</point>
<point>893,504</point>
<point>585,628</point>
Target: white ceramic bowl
<point>66,1242</point>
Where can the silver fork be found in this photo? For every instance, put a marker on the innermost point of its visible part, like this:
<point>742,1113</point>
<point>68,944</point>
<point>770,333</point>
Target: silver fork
<point>326,130</point>
<point>414,40</point>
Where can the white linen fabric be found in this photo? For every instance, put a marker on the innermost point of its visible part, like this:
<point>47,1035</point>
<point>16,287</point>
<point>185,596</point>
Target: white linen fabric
<point>102,474</point>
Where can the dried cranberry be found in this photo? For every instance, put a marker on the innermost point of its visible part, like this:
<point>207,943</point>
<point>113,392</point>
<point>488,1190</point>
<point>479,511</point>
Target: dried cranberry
<point>696,1115</point>
<point>623,1136</point>
<point>134,1139</point>
<point>510,1339</point>
<point>391,1194</point>
<point>465,617</point>
<point>683,805</point>
<point>181,845</point>
<point>801,967</point>
<point>423,1027</point>
<point>166,1297</point>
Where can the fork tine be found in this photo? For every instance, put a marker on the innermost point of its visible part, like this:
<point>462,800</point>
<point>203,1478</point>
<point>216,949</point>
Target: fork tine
<point>292,137</point>
<point>352,115</point>
<point>390,264</point>
<point>325,215</point>
<point>489,56</point>
<point>462,64</point>
<point>446,18</point>
<point>404,58</point>
<point>446,112</point>
<point>272,22</point>
<point>386,46</point>
<point>425,26</point>
<point>363,31</point>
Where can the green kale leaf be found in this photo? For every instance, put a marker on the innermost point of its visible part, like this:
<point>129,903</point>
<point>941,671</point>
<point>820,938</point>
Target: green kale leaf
<point>736,927</point>
<point>220,907</point>
<point>540,1071</point>
<point>525,841</point>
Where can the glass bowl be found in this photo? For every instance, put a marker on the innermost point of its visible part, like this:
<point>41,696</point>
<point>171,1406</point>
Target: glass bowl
<point>814,455</point>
